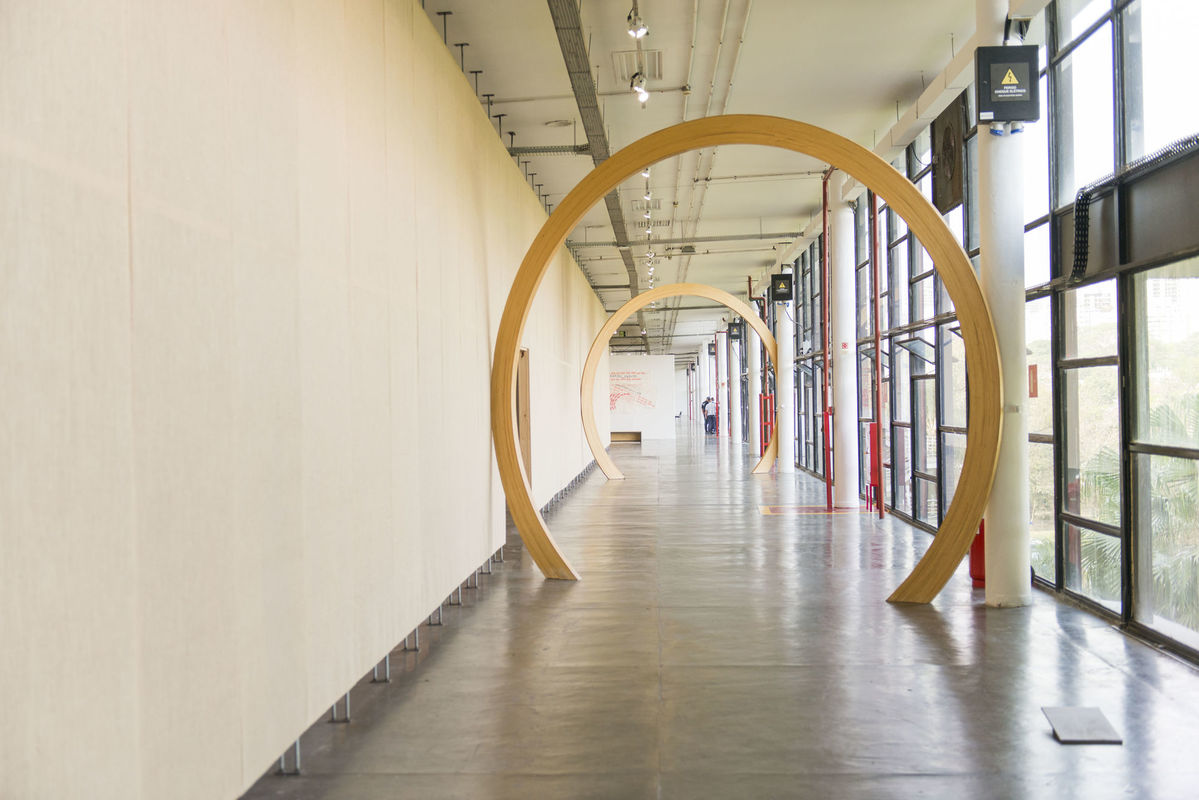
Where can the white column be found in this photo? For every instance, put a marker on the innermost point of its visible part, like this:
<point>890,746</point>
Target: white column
<point>705,380</point>
<point>754,343</point>
<point>844,330</point>
<point>722,381</point>
<point>735,387</point>
<point>1001,240</point>
<point>784,395</point>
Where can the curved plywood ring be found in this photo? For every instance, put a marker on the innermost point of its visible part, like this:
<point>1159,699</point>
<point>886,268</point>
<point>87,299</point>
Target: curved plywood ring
<point>587,384</point>
<point>978,334</point>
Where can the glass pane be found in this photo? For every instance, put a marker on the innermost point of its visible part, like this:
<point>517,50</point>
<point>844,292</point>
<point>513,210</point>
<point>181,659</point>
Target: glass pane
<point>866,383</point>
<point>1090,321</point>
<point>1036,256</point>
<point>1168,354</point>
<point>1158,70</point>
<point>956,222</point>
<point>924,426</point>
<point>1036,161</point>
<point>953,453</point>
<point>925,500</point>
<point>953,377</point>
<point>923,292</point>
<point>865,299</point>
<point>1093,565</point>
<point>902,361</point>
<point>944,303</point>
<point>1040,374</point>
<point>1075,16</point>
<point>897,226</point>
<point>1085,113</point>
<point>922,152</point>
<point>902,467</point>
<point>1040,520</point>
<point>818,416</point>
<point>971,189</point>
<point>1092,443</point>
<point>899,279</point>
<point>1168,546</point>
<point>920,262</point>
<point>861,229</point>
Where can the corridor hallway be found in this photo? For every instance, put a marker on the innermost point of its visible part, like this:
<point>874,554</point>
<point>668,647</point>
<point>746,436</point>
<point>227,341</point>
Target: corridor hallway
<point>713,651</point>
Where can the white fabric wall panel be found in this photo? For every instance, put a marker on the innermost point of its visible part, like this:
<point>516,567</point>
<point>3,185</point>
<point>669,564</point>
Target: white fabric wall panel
<point>255,257</point>
<point>67,548</point>
<point>67,538</point>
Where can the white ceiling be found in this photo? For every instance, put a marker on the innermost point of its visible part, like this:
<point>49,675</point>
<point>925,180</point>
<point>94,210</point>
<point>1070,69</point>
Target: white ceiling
<point>851,66</point>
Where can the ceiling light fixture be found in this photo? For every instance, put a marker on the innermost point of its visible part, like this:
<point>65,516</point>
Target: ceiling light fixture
<point>637,27</point>
<point>637,86</point>
<point>645,172</point>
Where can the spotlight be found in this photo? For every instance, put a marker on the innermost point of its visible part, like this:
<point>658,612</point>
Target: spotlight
<point>637,28</point>
<point>645,172</point>
<point>647,194</point>
<point>637,85</point>
<point>646,215</point>
<point>650,253</point>
<point>648,230</point>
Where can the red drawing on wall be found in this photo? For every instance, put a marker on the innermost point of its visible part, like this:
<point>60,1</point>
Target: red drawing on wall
<point>627,391</point>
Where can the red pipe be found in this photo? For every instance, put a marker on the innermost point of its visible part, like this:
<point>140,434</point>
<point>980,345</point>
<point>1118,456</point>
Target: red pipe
<point>877,444</point>
<point>824,340</point>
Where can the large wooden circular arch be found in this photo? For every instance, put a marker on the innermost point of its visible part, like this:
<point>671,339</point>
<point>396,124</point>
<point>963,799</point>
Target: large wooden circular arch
<point>587,384</point>
<point>978,334</point>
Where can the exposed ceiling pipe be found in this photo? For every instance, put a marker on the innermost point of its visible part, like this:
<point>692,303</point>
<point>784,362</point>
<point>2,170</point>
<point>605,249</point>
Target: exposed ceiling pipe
<point>568,24</point>
<point>694,215</point>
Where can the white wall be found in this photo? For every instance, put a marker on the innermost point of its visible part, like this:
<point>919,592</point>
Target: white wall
<point>680,392</point>
<point>253,260</point>
<point>642,394</point>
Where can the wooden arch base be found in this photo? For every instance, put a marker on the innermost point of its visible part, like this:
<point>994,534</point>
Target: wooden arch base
<point>587,384</point>
<point>978,334</point>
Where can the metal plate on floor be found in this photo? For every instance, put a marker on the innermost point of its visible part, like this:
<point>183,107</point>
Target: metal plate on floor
<point>1079,725</point>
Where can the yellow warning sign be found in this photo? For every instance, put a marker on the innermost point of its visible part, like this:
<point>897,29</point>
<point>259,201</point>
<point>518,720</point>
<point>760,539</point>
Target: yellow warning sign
<point>1010,79</point>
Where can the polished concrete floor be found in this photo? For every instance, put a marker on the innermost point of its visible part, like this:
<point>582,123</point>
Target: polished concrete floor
<point>712,651</point>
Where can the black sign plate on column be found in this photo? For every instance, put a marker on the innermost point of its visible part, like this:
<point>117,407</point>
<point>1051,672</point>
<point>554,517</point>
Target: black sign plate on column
<point>1007,83</point>
<point>781,287</point>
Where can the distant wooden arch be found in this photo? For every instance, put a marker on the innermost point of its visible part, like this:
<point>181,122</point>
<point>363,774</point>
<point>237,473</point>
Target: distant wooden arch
<point>587,384</point>
<point>957,530</point>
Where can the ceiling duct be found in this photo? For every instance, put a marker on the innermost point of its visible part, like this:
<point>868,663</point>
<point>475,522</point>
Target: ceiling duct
<point>568,24</point>
<point>627,63</point>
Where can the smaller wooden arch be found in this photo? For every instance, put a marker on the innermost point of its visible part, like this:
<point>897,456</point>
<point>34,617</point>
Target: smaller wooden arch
<point>587,384</point>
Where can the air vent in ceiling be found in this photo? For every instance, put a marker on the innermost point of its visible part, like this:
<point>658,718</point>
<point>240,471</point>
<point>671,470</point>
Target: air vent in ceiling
<point>652,205</point>
<point>626,64</point>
